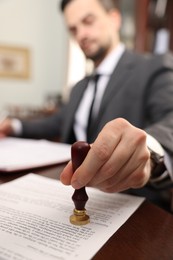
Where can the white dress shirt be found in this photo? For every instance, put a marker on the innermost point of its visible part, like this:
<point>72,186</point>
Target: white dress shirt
<point>105,69</point>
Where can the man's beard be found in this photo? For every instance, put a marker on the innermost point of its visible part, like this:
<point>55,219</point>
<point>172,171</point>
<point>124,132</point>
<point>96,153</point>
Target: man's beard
<point>99,55</point>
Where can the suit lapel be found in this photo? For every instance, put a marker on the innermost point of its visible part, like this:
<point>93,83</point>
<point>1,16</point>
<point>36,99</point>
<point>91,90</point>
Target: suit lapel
<point>117,80</point>
<point>121,72</point>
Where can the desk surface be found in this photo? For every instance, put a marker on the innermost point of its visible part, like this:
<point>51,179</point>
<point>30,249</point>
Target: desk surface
<point>147,234</point>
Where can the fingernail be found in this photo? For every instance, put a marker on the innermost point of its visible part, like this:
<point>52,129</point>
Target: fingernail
<point>76,185</point>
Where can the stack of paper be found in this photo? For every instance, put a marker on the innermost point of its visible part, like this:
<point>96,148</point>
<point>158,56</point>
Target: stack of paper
<point>34,220</point>
<point>19,154</point>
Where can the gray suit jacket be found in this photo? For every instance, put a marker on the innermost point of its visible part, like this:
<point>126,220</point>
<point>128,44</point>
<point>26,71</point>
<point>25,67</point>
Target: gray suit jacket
<point>140,90</point>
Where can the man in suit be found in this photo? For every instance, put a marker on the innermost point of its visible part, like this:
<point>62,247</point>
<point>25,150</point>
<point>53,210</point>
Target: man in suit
<point>132,117</point>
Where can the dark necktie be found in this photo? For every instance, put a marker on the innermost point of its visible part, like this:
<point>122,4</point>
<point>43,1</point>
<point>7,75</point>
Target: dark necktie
<point>91,116</point>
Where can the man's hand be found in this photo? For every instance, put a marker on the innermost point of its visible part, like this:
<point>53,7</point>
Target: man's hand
<point>118,160</point>
<point>6,128</point>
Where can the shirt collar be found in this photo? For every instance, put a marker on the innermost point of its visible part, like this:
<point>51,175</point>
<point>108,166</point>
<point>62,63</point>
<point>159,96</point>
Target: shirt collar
<point>109,63</point>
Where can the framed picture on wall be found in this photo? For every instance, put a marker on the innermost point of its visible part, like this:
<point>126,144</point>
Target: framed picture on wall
<point>14,62</point>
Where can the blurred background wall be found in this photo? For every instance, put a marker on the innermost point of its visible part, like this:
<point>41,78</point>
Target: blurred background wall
<point>38,26</point>
<point>55,62</point>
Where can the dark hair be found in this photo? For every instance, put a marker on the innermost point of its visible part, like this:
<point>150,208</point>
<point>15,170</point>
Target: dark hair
<point>107,4</point>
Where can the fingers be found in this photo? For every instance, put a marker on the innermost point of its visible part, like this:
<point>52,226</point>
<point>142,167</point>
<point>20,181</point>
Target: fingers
<point>100,152</point>
<point>128,156</point>
<point>2,135</point>
<point>123,180</point>
<point>5,128</point>
<point>118,160</point>
<point>66,174</point>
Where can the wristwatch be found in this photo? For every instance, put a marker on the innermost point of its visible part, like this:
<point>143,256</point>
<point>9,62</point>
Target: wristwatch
<point>159,171</point>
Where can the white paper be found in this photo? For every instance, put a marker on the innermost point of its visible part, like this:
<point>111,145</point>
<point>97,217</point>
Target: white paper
<point>34,220</point>
<point>20,154</point>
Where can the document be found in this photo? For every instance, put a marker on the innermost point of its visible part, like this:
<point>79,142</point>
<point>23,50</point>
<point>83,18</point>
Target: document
<point>34,220</point>
<point>20,154</point>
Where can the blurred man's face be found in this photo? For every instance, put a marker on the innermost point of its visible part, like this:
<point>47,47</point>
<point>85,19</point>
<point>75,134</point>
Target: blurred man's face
<point>95,29</point>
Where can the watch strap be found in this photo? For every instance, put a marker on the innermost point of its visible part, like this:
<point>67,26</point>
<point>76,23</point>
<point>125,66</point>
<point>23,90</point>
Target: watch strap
<point>159,171</point>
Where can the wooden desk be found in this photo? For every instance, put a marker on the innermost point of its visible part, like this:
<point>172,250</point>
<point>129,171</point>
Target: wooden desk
<point>148,233</point>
